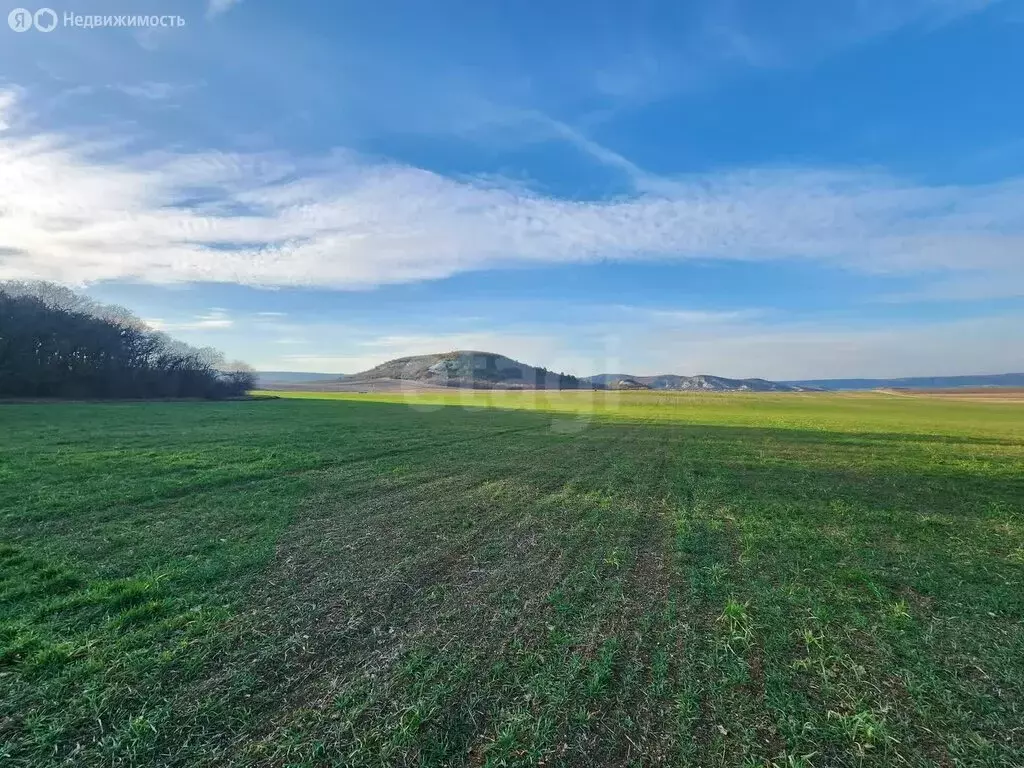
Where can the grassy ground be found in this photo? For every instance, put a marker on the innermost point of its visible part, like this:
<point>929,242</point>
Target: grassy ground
<point>564,579</point>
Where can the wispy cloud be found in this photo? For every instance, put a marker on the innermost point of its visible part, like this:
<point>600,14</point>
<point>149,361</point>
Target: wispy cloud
<point>215,319</point>
<point>218,7</point>
<point>689,316</point>
<point>75,213</point>
<point>8,102</point>
<point>969,287</point>
<point>719,39</point>
<point>151,90</point>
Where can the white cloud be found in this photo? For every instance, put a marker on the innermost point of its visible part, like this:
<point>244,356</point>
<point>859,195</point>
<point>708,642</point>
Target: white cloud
<point>151,90</point>
<point>218,7</point>
<point>690,316</point>
<point>74,213</point>
<point>8,100</point>
<point>718,40</point>
<point>216,319</point>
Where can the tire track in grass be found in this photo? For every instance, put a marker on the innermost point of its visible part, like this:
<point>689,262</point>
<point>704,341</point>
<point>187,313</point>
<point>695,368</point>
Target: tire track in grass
<point>639,726</point>
<point>402,604</point>
<point>193,698</point>
<point>527,642</point>
<point>183,491</point>
<point>723,716</point>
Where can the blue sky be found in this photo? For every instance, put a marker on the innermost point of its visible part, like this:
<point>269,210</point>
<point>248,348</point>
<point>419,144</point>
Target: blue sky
<point>787,190</point>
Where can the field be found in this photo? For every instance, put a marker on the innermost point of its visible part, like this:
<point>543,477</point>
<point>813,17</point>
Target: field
<point>506,579</point>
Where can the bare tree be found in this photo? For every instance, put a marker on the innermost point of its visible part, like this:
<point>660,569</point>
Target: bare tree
<point>240,377</point>
<point>56,343</point>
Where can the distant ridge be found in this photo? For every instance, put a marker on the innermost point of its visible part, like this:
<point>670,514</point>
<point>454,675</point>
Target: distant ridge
<point>488,370</point>
<point>700,383</point>
<point>917,382</point>
<point>274,379</point>
<point>476,369</point>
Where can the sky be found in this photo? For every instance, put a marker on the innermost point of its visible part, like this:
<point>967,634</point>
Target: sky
<point>795,189</point>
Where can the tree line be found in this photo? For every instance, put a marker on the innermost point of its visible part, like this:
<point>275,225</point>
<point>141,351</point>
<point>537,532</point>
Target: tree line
<point>544,379</point>
<point>57,343</point>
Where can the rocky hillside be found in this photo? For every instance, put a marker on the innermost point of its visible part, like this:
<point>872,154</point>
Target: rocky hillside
<point>466,368</point>
<point>700,383</point>
<point>487,370</point>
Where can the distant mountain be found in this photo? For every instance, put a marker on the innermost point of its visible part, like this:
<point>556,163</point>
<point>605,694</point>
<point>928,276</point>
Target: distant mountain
<point>488,370</point>
<point>268,379</point>
<point>701,383</point>
<point>606,379</point>
<point>917,382</point>
<point>464,368</point>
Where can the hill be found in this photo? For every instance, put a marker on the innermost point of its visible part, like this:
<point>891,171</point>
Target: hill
<point>700,383</point>
<point>488,370</point>
<point>463,368</point>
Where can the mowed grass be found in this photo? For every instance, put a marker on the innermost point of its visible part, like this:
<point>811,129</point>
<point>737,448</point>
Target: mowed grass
<point>504,579</point>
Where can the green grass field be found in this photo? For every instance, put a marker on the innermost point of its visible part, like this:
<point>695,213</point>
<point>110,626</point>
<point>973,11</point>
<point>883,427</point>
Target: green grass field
<point>506,579</point>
